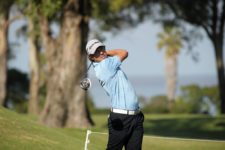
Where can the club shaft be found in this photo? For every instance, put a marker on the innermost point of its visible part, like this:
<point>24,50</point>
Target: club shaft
<point>85,75</point>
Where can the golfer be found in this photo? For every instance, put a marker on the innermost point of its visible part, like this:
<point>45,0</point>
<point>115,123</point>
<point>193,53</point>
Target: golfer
<point>125,122</point>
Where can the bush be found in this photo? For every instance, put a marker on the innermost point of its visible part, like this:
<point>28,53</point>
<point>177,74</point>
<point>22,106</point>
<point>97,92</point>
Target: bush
<point>191,100</point>
<point>157,104</point>
<point>181,106</point>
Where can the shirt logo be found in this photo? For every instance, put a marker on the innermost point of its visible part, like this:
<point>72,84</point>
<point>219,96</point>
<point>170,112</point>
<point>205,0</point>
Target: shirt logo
<point>101,82</point>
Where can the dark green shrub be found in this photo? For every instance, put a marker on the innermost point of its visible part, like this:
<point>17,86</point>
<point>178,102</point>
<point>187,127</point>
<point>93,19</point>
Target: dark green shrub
<point>157,104</point>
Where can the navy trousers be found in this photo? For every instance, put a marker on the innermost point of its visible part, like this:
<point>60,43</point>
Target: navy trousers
<point>125,130</point>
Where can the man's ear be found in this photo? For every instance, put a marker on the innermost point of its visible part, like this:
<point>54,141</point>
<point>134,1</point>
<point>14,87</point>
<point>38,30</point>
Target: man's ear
<point>91,58</point>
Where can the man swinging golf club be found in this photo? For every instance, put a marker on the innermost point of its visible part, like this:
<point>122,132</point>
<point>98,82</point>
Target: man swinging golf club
<point>125,122</point>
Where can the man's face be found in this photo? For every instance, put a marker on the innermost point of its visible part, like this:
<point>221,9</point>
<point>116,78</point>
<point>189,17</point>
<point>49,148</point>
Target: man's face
<point>99,55</point>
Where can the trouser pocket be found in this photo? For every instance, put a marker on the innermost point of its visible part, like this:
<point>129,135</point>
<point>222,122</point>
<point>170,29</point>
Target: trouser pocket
<point>115,122</point>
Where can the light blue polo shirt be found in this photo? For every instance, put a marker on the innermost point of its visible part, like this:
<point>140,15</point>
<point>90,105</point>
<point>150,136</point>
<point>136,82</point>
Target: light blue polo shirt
<point>116,84</point>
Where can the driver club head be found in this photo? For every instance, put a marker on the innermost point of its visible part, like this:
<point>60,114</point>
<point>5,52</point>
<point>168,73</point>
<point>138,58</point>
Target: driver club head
<point>85,83</point>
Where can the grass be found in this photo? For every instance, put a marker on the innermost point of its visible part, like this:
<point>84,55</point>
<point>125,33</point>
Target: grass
<point>24,132</point>
<point>173,125</point>
<point>186,126</point>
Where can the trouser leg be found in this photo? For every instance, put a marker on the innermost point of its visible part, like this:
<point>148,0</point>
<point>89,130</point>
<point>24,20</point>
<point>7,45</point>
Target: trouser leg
<point>135,139</point>
<point>117,133</point>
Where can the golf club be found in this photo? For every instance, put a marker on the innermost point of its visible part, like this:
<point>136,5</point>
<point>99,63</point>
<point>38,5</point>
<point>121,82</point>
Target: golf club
<point>85,83</point>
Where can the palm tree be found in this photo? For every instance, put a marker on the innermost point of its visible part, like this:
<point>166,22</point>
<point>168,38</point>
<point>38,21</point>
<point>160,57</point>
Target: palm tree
<point>170,40</point>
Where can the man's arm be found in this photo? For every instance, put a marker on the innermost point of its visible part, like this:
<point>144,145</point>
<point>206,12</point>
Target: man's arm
<point>122,54</point>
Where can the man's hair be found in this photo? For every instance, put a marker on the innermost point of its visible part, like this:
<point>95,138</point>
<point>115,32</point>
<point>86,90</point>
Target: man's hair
<point>91,55</point>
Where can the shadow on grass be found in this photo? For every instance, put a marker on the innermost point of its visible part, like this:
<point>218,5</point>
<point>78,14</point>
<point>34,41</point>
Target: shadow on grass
<point>200,127</point>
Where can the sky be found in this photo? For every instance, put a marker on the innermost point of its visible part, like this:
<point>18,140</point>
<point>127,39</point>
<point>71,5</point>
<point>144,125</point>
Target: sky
<point>144,58</point>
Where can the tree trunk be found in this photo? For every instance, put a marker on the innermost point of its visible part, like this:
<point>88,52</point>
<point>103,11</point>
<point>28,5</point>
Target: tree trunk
<point>54,110</point>
<point>3,56</point>
<point>220,73</point>
<point>34,67</point>
<point>77,31</point>
<point>66,104</point>
<point>171,78</point>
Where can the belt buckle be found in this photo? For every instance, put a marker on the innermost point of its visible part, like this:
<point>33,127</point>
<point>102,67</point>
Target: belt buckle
<point>130,112</point>
<point>127,112</point>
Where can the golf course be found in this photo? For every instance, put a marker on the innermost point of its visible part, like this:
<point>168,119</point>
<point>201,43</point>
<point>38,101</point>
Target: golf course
<point>162,132</point>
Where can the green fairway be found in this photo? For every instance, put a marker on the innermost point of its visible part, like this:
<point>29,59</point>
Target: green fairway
<point>160,143</point>
<point>183,126</point>
<point>24,132</point>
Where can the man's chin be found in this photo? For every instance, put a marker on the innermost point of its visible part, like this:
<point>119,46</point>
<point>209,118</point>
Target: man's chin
<point>103,57</point>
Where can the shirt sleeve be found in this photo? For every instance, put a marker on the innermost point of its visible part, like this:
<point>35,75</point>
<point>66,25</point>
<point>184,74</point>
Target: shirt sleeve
<point>114,63</point>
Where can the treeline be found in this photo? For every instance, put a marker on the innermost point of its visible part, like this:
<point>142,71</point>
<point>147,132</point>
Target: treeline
<point>193,99</point>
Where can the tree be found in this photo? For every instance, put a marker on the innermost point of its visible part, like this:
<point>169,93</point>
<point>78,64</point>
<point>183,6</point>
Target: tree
<point>33,37</point>
<point>193,95</point>
<point>210,17</point>
<point>65,104</point>
<point>170,39</point>
<point>34,70</point>
<point>31,31</point>
<point>157,104</point>
<point>66,62</point>
<point>4,24</point>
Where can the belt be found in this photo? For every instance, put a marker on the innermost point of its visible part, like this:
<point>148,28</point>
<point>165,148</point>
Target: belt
<point>126,112</point>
